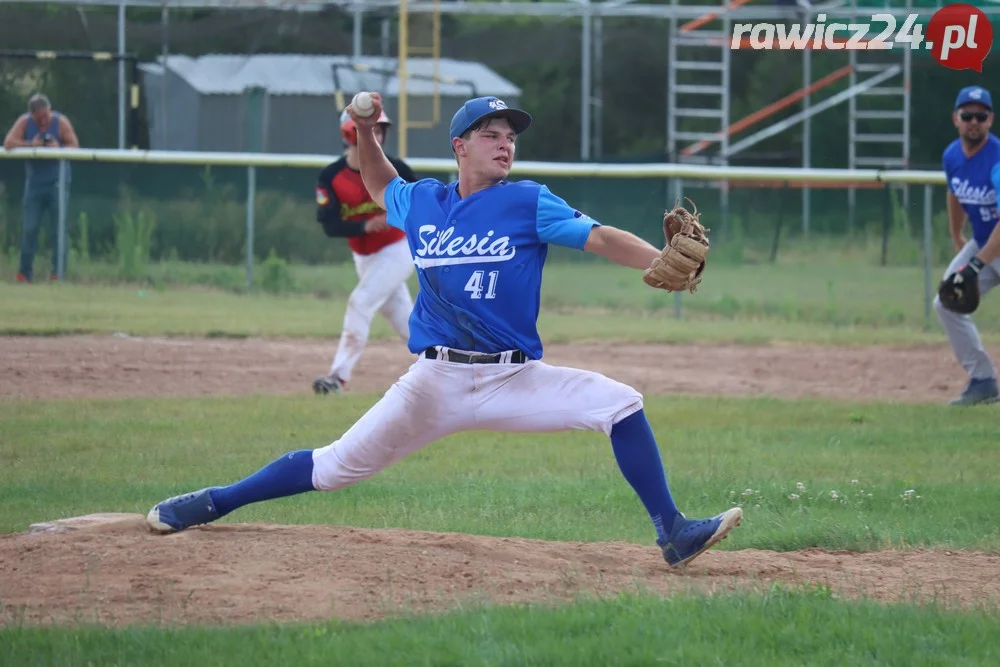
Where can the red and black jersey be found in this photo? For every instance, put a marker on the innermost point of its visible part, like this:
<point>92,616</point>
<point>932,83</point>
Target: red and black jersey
<point>343,205</point>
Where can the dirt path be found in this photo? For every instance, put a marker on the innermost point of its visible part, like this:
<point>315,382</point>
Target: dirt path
<point>98,366</point>
<point>119,573</point>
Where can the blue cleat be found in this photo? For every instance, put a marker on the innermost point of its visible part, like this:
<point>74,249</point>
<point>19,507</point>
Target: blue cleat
<point>979,391</point>
<point>175,514</point>
<point>689,538</point>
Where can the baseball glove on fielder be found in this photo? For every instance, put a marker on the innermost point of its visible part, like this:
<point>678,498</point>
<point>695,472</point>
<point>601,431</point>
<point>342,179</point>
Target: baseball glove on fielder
<point>680,265</point>
<point>959,292</point>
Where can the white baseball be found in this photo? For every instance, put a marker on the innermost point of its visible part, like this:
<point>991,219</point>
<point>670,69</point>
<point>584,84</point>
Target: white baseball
<point>363,105</point>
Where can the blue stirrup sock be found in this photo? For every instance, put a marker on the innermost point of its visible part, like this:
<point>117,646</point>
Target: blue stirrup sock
<point>638,457</point>
<point>288,475</point>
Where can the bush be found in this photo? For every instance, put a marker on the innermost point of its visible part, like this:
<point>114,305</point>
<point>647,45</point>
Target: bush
<point>133,237</point>
<point>275,275</point>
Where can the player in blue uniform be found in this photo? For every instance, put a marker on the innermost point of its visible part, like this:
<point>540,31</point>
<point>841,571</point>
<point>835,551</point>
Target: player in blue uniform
<point>479,246</point>
<point>972,167</point>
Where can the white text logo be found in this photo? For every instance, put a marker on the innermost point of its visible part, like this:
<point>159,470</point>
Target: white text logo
<point>438,248</point>
<point>821,35</point>
<point>959,36</point>
<point>967,194</point>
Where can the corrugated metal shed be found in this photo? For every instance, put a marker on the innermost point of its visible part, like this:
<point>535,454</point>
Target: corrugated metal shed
<point>291,74</point>
<point>206,106</point>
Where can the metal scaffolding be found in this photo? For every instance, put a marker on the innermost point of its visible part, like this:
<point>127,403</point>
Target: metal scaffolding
<point>699,68</point>
<point>877,96</point>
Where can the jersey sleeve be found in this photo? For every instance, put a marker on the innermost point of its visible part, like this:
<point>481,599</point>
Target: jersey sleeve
<point>325,198</point>
<point>559,224</point>
<point>398,195</point>
<point>995,176</point>
<point>946,166</point>
<point>328,207</point>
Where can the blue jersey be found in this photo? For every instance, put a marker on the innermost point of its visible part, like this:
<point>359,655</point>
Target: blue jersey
<point>974,181</point>
<point>479,260</point>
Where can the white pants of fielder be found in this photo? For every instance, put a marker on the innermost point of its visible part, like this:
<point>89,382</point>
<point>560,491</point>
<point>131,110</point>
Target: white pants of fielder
<point>381,289</point>
<point>437,398</point>
<point>961,330</point>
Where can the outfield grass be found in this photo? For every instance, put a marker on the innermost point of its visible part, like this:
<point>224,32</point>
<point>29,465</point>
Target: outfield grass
<point>70,458</point>
<point>794,301</point>
<point>779,628</point>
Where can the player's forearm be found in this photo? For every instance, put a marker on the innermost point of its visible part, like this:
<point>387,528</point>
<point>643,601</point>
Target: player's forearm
<point>376,170</point>
<point>991,249</point>
<point>621,247</point>
<point>10,143</point>
<point>956,219</point>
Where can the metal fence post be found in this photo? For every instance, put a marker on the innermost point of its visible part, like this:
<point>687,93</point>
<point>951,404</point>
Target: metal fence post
<point>928,290</point>
<point>121,75</point>
<point>60,267</point>
<point>251,199</point>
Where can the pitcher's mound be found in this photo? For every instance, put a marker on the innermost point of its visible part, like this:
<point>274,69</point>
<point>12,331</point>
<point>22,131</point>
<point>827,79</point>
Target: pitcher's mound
<point>110,569</point>
<point>102,522</point>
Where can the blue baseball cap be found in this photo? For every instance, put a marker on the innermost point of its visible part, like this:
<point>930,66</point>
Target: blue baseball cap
<point>974,95</point>
<point>479,108</point>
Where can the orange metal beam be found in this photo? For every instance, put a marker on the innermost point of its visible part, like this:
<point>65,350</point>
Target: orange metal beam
<point>770,109</point>
<point>744,43</point>
<point>710,16</point>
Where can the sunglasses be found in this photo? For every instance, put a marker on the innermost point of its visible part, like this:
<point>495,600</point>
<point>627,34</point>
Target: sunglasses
<point>981,116</point>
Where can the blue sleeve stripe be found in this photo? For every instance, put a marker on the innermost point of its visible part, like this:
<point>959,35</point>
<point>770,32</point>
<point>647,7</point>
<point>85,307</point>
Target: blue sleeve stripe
<point>581,232</point>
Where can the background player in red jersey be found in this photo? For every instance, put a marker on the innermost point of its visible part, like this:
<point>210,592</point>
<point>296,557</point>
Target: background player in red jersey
<point>381,254</point>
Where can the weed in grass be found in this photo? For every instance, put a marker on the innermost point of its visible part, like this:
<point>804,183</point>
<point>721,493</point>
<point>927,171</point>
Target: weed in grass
<point>133,236</point>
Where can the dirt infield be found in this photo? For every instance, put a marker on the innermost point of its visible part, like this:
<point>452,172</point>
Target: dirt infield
<point>98,366</point>
<point>116,572</point>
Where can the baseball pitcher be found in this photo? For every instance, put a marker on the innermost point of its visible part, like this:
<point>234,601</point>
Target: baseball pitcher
<point>480,246</point>
<point>381,255</point>
<point>972,167</point>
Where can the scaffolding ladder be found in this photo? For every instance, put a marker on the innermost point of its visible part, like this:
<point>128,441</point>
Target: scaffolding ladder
<point>698,86</point>
<point>405,50</point>
<point>879,117</point>
<point>698,91</point>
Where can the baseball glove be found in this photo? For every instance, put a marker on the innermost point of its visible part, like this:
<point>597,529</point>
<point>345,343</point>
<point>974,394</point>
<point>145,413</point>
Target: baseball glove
<point>680,265</point>
<point>959,292</point>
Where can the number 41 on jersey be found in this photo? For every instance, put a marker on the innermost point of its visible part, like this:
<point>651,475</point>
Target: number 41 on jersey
<point>475,284</point>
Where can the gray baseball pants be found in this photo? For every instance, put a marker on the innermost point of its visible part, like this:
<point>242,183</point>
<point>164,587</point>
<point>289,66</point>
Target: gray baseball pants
<point>963,336</point>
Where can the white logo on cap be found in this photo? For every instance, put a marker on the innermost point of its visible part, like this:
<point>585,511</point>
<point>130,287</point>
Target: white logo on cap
<point>498,104</point>
<point>976,94</point>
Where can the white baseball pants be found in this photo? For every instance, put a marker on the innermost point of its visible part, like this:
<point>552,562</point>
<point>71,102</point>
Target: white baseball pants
<point>963,336</point>
<point>438,398</point>
<point>381,289</point>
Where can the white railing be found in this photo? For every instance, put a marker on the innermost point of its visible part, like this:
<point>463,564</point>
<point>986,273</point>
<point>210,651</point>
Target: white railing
<point>522,168</point>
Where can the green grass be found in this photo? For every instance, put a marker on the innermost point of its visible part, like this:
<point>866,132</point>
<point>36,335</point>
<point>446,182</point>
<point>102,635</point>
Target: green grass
<point>777,628</point>
<point>65,458</point>
<point>798,300</point>
<point>70,458</point>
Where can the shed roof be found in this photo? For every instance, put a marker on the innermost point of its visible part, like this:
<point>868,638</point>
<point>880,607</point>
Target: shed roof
<point>296,74</point>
